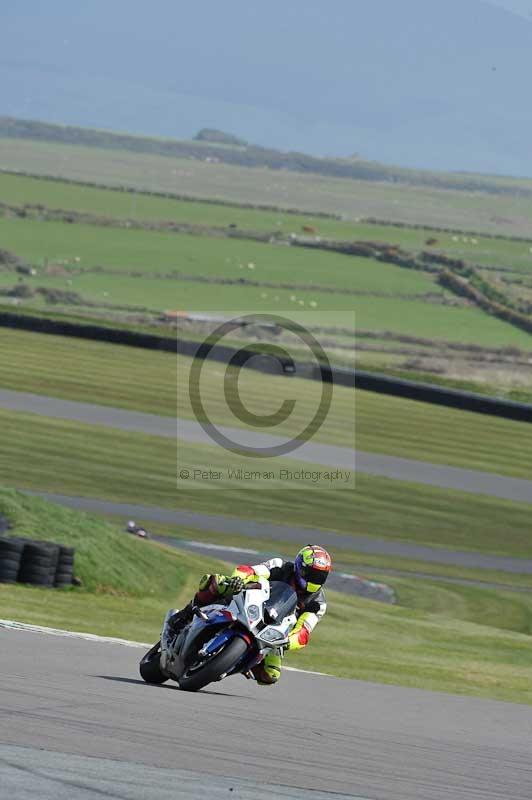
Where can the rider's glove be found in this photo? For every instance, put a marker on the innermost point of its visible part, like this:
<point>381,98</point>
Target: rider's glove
<point>234,585</point>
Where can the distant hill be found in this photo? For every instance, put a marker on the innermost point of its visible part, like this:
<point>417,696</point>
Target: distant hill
<point>215,136</point>
<point>213,145</point>
<point>424,84</point>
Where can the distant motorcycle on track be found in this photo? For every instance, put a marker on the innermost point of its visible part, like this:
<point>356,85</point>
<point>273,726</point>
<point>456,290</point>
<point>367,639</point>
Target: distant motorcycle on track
<point>137,530</point>
<point>223,639</point>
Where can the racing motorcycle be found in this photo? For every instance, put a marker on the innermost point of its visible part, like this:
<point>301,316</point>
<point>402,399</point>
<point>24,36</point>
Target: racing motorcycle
<point>223,639</point>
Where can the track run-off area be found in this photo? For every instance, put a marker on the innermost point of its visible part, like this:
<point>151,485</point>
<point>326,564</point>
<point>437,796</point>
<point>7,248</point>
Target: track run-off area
<point>404,469</point>
<point>77,721</point>
<point>326,455</point>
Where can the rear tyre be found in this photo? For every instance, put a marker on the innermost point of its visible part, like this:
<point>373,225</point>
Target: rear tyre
<point>150,669</point>
<point>194,679</point>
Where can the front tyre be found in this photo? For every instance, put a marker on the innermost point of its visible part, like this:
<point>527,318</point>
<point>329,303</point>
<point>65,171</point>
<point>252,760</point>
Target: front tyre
<point>150,666</point>
<point>194,679</point>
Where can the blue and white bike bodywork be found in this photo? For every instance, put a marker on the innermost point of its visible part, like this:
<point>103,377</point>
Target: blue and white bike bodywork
<point>224,640</point>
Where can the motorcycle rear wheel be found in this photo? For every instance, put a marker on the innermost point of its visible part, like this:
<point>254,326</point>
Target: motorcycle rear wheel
<point>212,671</point>
<point>150,669</point>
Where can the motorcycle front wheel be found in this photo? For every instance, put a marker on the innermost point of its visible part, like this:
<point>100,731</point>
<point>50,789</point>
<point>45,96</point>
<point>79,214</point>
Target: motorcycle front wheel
<point>150,666</point>
<point>195,678</point>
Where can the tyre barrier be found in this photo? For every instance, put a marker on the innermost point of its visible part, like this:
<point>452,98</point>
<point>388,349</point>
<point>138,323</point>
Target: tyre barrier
<point>64,571</point>
<point>10,557</point>
<point>37,563</point>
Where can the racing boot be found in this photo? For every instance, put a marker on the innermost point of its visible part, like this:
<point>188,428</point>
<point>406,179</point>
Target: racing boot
<point>177,621</point>
<point>268,671</point>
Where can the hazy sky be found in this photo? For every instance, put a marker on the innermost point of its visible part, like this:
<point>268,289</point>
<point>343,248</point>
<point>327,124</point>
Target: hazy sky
<point>416,82</point>
<point>522,7</point>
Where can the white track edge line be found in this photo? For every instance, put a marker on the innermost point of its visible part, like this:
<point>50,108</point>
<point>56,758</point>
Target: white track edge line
<point>13,625</point>
<point>90,637</point>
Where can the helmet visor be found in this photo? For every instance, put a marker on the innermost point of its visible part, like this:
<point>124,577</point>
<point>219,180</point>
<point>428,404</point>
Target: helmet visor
<point>314,577</point>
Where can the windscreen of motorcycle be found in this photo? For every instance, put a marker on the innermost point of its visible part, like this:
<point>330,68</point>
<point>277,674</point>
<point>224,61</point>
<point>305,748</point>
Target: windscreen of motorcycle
<point>281,603</point>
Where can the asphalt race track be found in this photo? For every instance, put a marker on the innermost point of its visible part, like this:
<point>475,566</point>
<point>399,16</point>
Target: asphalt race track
<point>403,469</point>
<point>307,737</point>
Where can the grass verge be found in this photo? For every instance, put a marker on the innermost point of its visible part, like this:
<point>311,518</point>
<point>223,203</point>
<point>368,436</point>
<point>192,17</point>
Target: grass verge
<point>395,645</point>
<point>127,584</point>
<point>70,458</point>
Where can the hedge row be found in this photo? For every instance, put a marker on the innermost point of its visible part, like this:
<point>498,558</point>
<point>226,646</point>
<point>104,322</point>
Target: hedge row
<point>84,218</point>
<point>457,231</point>
<point>454,274</point>
<point>465,288</point>
<point>381,251</point>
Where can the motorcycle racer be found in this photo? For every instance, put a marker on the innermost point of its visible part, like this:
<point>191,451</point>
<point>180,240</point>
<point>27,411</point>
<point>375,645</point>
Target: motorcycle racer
<point>306,575</point>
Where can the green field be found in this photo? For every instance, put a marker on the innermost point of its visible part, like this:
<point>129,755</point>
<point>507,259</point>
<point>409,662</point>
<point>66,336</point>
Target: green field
<point>19,190</point>
<point>151,252</point>
<point>130,268</point>
<point>438,641</point>
<point>131,275</point>
<point>407,317</point>
<point>473,211</point>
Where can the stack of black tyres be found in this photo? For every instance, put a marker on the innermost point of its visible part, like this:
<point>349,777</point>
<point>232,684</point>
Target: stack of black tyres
<point>10,557</point>
<point>64,571</point>
<point>35,562</point>
<point>38,563</point>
